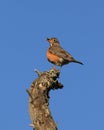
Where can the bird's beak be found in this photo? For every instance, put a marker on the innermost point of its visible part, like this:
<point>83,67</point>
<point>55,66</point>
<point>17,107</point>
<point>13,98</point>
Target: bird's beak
<point>48,39</point>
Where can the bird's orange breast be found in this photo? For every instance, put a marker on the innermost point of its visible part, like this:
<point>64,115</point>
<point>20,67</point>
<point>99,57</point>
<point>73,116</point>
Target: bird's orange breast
<point>52,58</point>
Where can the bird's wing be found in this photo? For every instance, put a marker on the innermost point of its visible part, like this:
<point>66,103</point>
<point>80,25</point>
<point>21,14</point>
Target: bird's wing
<point>60,52</point>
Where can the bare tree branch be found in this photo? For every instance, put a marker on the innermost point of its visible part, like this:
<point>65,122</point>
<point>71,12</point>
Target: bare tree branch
<point>39,99</point>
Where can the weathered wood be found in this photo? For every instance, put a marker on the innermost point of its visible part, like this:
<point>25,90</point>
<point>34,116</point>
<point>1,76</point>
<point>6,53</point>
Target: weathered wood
<point>39,99</point>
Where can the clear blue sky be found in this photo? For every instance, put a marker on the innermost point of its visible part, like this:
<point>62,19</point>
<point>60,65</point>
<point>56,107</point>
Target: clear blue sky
<point>24,27</point>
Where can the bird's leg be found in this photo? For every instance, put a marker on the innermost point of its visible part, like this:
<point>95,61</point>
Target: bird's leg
<point>54,67</point>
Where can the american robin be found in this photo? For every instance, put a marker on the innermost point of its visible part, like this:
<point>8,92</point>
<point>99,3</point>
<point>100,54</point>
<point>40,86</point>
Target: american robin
<point>57,55</point>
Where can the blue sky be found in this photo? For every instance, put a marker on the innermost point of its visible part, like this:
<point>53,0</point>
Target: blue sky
<point>24,27</point>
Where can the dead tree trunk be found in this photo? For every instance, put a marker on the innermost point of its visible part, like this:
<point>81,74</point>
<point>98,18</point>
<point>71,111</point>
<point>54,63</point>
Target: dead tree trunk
<point>39,99</point>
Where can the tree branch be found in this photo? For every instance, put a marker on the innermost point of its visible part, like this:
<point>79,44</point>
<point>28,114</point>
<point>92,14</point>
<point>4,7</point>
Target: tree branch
<point>39,99</point>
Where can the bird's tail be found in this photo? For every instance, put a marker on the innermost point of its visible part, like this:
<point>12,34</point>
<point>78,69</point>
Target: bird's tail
<point>78,62</point>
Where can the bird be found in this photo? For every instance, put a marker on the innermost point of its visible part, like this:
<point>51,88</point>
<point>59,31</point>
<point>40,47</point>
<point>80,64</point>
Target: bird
<point>57,55</point>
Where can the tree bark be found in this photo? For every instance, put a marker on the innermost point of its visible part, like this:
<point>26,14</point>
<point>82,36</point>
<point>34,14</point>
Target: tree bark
<point>39,99</point>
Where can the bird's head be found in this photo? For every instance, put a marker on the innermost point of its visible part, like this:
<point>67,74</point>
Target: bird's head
<point>53,41</point>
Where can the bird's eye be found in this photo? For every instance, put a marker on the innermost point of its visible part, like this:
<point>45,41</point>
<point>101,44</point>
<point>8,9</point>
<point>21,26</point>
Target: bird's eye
<point>54,40</point>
